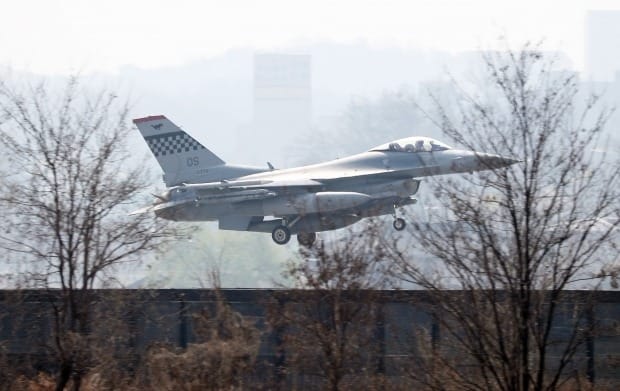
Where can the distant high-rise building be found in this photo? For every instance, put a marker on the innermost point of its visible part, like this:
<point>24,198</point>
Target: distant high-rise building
<point>602,44</point>
<point>282,99</point>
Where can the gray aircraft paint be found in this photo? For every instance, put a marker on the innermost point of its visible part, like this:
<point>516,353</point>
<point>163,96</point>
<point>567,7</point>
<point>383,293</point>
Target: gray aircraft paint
<point>308,199</point>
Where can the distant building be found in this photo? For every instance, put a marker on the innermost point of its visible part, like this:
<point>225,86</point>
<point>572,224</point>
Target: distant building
<point>602,44</point>
<point>282,99</point>
<point>602,60</point>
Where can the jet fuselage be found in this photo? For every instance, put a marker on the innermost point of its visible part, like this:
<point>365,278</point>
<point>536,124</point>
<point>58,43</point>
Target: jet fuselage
<point>301,200</point>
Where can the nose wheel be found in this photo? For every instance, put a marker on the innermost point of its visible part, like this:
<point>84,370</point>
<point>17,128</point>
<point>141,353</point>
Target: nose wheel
<point>281,235</point>
<point>399,224</point>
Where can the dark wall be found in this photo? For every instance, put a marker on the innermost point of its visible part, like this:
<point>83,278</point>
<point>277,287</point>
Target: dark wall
<point>166,316</point>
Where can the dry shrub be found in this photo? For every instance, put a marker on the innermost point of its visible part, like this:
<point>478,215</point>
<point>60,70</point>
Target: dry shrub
<point>42,382</point>
<point>226,352</point>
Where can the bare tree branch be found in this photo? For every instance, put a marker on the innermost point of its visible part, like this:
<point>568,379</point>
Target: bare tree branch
<point>70,183</point>
<point>521,236</point>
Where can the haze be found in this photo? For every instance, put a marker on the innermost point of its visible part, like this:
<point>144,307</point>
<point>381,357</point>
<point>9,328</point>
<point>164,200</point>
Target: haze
<point>63,36</point>
<point>198,62</point>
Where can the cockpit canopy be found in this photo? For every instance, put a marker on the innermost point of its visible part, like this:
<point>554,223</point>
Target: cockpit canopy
<point>413,144</point>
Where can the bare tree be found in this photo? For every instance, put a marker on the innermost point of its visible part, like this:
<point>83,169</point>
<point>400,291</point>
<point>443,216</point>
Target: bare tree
<point>328,321</point>
<point>67,197</point>
<point>517,239</point>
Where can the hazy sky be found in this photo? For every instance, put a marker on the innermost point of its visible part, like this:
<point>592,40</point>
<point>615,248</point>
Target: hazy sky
<point>62,36</point>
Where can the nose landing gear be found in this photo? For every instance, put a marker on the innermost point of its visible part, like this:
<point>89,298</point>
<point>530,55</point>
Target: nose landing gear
<point>399,224</point>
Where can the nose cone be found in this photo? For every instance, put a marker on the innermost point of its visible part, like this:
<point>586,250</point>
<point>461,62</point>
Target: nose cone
<point>490,161</point>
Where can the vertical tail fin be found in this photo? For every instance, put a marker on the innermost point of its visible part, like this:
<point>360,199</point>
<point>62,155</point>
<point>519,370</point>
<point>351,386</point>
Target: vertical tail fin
<point>182,158</point>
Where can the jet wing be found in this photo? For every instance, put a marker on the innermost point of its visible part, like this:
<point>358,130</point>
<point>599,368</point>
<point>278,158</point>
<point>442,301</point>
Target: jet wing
<point>253,184</point>
<point>385,173</point>
<point>228,192</point>
<point>235,195</point>
<point>280,183</point>
<point>312,178</point>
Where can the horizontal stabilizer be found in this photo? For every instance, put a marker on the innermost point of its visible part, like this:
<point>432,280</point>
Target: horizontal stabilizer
<point>162,206</point>
<point>146,209</point>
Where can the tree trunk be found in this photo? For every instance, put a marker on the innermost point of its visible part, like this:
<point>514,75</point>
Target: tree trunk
<point>65,374</point>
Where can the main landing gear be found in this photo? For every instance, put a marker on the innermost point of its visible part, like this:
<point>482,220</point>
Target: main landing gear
<point>281,234</point>
<point>306,239</point>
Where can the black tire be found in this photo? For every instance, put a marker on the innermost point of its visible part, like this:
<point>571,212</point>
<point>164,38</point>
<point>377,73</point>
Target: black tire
<point>281,235</point>
<point>399,224</point>
<point>306,239</point>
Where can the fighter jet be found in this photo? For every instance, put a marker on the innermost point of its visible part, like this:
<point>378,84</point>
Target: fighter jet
<point>297,201</point>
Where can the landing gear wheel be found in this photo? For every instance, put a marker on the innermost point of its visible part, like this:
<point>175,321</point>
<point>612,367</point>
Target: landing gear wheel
<point>281,235</point>
<point>306,239</point>
<point>399,224</point>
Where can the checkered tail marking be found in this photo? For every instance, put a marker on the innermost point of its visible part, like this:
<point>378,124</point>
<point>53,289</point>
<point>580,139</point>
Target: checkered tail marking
<point>171,143</point>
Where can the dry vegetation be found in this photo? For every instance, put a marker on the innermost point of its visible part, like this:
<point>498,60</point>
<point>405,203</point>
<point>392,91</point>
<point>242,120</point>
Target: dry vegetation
<point>328,322</point>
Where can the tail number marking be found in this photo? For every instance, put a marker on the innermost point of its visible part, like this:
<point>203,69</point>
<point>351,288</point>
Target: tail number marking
<point>192,161</point>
